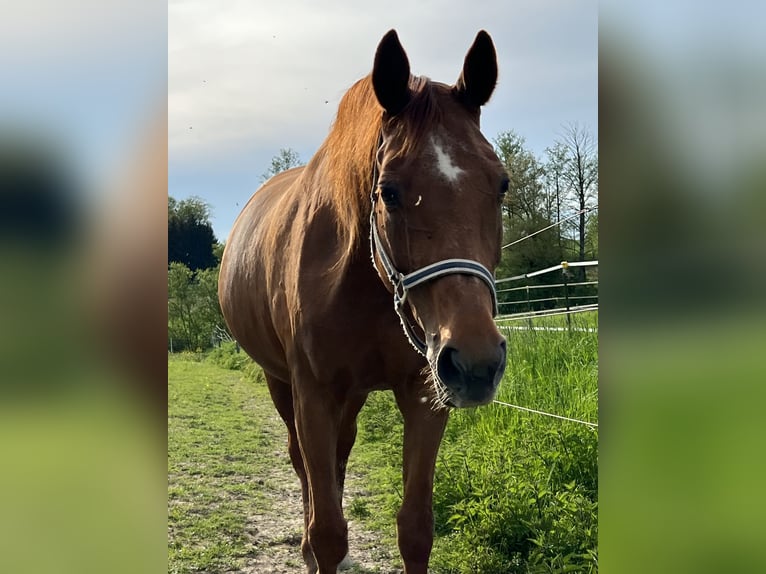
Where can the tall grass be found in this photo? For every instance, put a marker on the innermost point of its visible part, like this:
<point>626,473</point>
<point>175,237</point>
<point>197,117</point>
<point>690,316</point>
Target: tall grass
<point>514,491</point>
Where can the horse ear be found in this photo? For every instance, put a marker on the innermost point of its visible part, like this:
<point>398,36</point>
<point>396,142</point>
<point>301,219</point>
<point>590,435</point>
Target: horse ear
<point>479,76</point>
<point>391,74</point>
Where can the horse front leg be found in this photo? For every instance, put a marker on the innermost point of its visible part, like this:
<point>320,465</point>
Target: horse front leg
<point>423,431</point>
<point>346,439</point>
<point>317,418</point>
<point>282,396</point>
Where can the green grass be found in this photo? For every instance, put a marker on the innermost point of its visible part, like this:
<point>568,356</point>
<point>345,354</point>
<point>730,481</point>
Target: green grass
<point>214,456</point>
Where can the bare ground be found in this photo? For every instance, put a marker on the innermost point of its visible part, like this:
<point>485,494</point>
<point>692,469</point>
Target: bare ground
<point>276,532</point>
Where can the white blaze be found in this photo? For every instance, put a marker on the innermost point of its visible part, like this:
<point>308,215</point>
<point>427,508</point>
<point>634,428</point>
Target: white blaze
<point>444,163</point>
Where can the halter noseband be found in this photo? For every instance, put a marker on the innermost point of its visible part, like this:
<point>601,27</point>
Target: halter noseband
<point>403,283</point>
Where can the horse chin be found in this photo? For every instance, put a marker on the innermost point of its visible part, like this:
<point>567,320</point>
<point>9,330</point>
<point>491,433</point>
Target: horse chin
<point>452,401</point>
<point>446,398</point>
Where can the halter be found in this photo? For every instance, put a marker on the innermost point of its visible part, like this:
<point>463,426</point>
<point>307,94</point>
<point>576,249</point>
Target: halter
<point>403,283</point>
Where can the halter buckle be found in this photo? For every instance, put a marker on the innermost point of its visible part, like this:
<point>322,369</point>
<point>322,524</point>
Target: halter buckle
<point>400,292</point>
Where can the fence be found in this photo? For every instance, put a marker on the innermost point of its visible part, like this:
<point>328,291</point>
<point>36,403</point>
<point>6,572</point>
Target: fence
<point>573,297</point>
<point>547,307</point>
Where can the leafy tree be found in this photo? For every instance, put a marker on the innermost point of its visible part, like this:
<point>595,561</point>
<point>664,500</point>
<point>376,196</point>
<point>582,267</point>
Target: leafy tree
<point>526,210</point>
<point>286,158</point>
<point>591,227</point>
<point>218,251</point>
<point>190,234</point>
<point>194,315</point>
<point>524,199</point>
<point>208,307</point>
<point>182,321</point>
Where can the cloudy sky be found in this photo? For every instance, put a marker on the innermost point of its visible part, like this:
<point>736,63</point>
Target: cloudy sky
<point>248,78</point>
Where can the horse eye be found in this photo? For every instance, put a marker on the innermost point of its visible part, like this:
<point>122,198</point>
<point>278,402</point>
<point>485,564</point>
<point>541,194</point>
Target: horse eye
<point>390,195</point>
<point>504,185</point>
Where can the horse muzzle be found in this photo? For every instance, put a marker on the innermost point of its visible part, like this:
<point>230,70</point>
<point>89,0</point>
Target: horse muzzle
<point>470,378</point>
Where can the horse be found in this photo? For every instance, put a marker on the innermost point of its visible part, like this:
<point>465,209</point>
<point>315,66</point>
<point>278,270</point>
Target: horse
<point>400,204</point>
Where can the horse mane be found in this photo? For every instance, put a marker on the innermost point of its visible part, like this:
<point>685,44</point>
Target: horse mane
<point>350,148</point>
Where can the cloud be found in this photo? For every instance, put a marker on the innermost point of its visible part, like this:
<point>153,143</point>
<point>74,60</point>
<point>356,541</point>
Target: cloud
<point>243,74</point>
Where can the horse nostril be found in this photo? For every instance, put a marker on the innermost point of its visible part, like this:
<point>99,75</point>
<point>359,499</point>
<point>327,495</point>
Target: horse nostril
<point>500,367</point>
<point>449,366</point>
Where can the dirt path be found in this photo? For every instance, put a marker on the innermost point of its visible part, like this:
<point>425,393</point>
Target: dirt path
<point>276,532</point>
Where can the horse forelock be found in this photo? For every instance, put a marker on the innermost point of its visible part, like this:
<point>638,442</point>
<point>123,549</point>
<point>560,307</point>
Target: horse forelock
<point>411,126</point>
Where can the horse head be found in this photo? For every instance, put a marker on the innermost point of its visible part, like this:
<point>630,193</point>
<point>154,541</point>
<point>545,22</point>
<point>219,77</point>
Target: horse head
<point>436,220</point>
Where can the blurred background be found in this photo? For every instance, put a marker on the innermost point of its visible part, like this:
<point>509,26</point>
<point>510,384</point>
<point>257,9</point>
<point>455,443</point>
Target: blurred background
<point>83,185</point>
<point>83,180</point>
<point>683,181</point>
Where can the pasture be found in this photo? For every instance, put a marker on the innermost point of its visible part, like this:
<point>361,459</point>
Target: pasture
<point>514,491</point>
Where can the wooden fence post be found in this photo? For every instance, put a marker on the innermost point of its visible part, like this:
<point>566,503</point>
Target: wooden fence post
<point>564,273</point>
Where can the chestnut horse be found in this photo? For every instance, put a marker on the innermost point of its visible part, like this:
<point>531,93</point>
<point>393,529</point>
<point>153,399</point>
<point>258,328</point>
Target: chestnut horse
<point>405,179</point>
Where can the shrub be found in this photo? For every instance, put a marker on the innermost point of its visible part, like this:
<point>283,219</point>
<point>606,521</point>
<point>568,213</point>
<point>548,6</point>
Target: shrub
<point>229,357</point>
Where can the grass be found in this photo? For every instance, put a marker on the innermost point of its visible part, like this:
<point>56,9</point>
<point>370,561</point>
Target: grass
<point>214,456</point>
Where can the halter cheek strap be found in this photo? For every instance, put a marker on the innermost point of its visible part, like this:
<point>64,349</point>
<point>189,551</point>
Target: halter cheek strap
<point>403,283</point>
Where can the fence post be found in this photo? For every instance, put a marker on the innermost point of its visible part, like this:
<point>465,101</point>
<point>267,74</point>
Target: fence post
<point>529,310</point>
<point>564,273</point>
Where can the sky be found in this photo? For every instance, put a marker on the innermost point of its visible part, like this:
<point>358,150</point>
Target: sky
<point>246,79</point>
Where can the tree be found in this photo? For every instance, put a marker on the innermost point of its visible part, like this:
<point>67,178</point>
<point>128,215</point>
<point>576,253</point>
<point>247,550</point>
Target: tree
<point>182,322</point>
<point>523,200</point>
<point>554,185</point>
<point>580,176</point>
<point>525,210</point>
<point>208,306</point>
<point>218,251</point>
<point>190,235</point>
<point>194,314</point>
<point>592,235</point>
<point>194,258</point>
<point>286,158</point>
